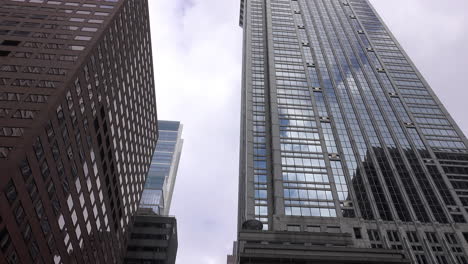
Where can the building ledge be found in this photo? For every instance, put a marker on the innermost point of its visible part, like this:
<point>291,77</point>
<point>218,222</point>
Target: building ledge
<point>310,247</point>
<point>272,254</point>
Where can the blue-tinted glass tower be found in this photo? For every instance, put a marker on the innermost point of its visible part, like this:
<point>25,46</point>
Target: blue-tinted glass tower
<point>157,194</point>
<point>347,155</point>
<point>153,238</point>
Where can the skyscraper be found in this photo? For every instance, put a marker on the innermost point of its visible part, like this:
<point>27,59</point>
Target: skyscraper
<point>153,238</point>
<point>77,127</point>
<point>159,185</point>
<point>347,155</point>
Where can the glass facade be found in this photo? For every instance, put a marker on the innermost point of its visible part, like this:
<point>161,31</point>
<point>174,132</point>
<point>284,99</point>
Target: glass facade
<point>159,186</point>
<point>340,128</point>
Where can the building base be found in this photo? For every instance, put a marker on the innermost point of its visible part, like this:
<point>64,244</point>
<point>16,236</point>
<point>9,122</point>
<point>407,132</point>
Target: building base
<point>260,247</point>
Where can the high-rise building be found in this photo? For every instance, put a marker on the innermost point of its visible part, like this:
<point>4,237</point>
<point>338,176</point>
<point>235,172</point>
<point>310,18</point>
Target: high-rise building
<point>159,186</point>
<point>77,127</point>
<point>153,238</point>
<point>347,155</point>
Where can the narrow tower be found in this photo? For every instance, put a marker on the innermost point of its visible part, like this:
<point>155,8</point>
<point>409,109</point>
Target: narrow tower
<point>153,238</point>
<point>160,183</point>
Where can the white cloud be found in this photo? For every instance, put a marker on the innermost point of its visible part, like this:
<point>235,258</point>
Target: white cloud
<point>197,56</point>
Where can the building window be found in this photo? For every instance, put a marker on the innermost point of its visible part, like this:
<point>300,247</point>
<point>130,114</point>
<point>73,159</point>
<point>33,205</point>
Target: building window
<point>4,240</point>
<point>4,53</point>
<point>11,43</point>
<point>10,192</point>
<point>357,233</point>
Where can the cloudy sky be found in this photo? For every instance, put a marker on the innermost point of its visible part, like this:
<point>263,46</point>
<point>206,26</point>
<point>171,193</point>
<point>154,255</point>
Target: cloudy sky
<point>197,58</point>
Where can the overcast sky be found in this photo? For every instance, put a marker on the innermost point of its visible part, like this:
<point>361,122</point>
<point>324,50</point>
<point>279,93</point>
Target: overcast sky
<point>197,60</point>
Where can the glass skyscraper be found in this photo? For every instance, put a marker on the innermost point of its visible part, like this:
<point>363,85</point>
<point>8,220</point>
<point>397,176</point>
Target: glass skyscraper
<point>157,194</point>
<point>153,238</point>
<point>347,155</point>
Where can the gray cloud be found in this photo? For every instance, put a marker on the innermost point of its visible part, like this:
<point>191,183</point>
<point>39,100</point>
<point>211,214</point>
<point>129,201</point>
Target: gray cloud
<point>197,55</point>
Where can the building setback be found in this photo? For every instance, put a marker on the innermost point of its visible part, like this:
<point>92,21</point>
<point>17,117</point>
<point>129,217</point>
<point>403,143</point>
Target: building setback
<point>153,240</point>
<point>77,127</point>
<point>347,155</point>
